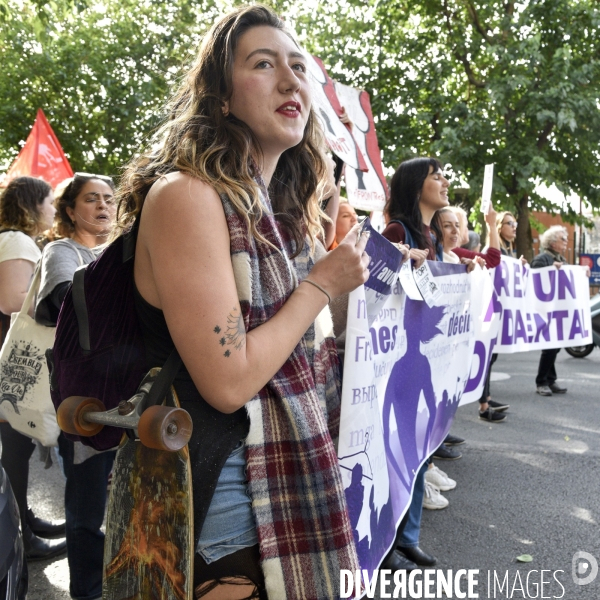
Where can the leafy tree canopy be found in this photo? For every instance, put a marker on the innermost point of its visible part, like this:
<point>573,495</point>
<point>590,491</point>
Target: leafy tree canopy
<point>470,81</point>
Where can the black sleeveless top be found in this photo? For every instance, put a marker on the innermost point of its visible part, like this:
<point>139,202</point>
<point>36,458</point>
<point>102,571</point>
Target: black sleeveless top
<point>215,434</point>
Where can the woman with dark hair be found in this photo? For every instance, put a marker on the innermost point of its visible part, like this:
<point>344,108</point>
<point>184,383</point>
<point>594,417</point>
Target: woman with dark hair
<point>26,210</point>
<point>418,189</point>
<point>85,216</point>
<point>229,271</point>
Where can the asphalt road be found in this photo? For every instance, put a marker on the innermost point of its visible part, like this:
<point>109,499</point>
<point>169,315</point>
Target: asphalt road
<point>530,485</point>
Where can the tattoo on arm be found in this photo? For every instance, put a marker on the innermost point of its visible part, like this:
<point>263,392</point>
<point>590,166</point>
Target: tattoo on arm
<point>235,334</point>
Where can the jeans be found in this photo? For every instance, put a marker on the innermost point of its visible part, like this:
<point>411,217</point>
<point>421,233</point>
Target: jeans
<point>546,371</point>
<point>85,500</point>
<point>409,538</point>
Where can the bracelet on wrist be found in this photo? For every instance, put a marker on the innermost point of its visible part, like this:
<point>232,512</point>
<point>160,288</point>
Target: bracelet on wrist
<point>307,280</point>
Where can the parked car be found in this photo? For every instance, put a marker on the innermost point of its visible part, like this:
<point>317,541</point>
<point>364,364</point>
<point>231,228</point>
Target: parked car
<point>583,351</point>
<point>13,566</point>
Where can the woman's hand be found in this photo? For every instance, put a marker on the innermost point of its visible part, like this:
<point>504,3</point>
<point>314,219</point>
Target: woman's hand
<point>557,264</point>
<point>419,256</point>
<point>523,260</point>
<point>404,249</point>
<point>472,262</point>
<point>345,268</point>
<point>490,218</point>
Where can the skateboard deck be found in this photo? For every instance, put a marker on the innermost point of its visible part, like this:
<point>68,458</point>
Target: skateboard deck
<point>148,549</point>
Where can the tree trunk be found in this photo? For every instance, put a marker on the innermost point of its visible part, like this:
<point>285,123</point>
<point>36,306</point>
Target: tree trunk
<point>524,238</point>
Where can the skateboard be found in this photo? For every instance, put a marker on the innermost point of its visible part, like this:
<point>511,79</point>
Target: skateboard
<point>148,549</point>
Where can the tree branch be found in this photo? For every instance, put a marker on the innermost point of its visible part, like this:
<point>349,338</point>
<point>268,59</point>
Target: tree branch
<point>461,56</point>
<point>475,17</point>
<point>543,139</point>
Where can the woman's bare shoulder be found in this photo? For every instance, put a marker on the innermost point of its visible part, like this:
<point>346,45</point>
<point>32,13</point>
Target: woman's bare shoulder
<point>181,190</point>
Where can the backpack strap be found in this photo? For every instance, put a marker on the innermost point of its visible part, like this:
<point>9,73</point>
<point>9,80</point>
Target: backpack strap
<point>408,238</point>
<point>80,307</point>
<point>165,378</point>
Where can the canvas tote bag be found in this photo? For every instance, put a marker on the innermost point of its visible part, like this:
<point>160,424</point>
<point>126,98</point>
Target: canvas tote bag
<point>24,381</point>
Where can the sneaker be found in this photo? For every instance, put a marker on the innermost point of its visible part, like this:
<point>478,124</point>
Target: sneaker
<point>498,406</point>
<point>445,453</point>
<point>491,415</point>
<point>544,390</point>
<point>433,500</point>
<point>557,389</point>
<point>439,479</point>
<point>453,440</point>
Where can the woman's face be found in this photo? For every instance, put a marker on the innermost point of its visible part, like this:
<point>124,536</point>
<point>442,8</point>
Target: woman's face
<point>450,229</point>
<point>95,209</point>
<point>346,220</point>
<point>47,211</point>
<point>271,89</point>
<point>508,230</point>
<point>434,193</point>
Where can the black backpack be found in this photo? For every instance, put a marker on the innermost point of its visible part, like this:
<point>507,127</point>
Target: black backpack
<point>99,350</point>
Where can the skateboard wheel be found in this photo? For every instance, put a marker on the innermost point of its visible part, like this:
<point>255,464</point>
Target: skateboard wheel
<point>165,428</point>
<point>71,415</point>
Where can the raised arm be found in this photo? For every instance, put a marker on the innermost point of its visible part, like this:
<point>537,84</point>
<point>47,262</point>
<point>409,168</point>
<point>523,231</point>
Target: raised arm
<point>183,266</point>
<point>494,238</point>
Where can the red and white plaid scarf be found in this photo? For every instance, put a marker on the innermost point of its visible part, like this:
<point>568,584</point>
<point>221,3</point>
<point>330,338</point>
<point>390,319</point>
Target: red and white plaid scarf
<point>293,475</point>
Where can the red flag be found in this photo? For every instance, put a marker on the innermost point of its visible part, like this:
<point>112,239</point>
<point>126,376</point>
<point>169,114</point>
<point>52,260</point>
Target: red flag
<point>41,156</point>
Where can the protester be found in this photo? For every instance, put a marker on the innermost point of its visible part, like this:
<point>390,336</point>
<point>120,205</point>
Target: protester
<point>418,189</point>
<point>491,410</point>
<point>85,215</point>
<point>26,209</point>
<point>226,271</point>
<point>346,220</point>
<point>553,242</point>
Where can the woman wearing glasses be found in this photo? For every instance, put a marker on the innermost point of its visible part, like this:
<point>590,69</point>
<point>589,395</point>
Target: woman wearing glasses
<point>490,410</point>
<point>553,242</point>
<point>85,214</point>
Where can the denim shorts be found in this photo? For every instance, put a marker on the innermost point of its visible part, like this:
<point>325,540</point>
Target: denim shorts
<point>229,525</point>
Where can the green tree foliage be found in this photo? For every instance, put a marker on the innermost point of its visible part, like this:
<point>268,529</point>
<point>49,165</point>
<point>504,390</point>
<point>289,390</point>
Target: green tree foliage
<point>100,71</point>
<point>471,81</point>
<point>475,82</point>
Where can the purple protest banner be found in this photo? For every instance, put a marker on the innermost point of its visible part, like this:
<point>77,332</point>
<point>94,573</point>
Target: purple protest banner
<point>541,308</point>
<point>404,374</point>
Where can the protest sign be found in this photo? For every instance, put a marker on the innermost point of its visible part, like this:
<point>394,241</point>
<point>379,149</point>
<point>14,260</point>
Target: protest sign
<point>365,190</point>
<point>541,308</point>
<point>404,373</point>
<point>328,110</point>
<point>486,194</point>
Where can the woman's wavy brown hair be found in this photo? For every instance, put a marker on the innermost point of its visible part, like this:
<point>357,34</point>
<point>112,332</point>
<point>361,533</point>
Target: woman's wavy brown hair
<point>198,139</point>
<point>20,202</point>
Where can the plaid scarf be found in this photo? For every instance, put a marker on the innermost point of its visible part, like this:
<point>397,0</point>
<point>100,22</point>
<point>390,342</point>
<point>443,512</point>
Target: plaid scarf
<point>292,469</point>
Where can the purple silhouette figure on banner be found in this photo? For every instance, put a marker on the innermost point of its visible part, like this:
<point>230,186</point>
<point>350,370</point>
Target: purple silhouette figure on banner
<point>410,376</point>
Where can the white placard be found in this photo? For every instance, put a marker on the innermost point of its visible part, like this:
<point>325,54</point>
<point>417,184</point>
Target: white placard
<point>486,194</point>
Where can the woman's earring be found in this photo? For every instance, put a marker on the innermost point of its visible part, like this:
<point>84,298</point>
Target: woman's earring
<point>225,109</point>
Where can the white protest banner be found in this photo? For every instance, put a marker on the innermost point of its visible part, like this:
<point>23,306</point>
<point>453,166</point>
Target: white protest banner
<point>328,110</point>
<point>541,308</point>
<point>404,375</point>
<point>366,190</point>
<point>486,194</point>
